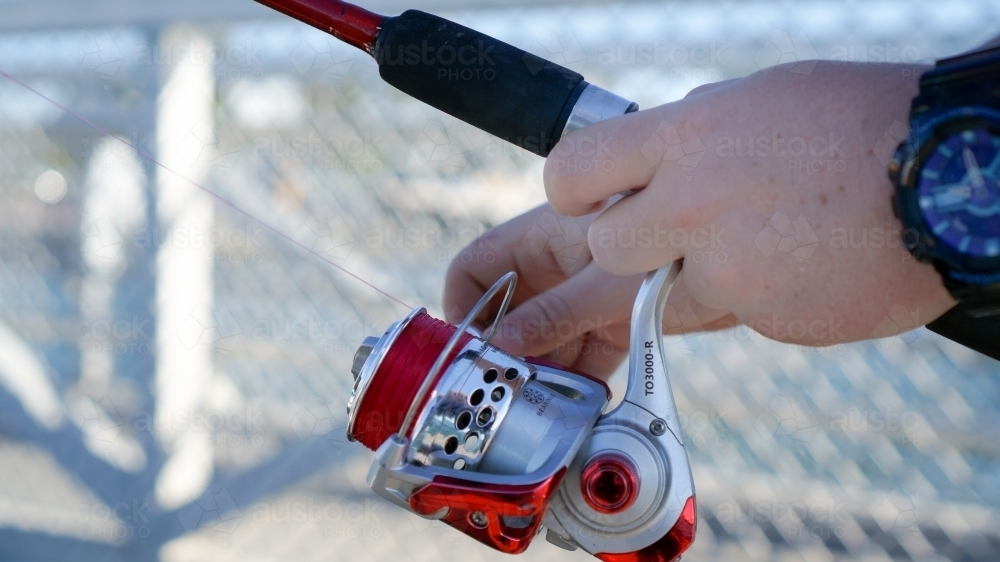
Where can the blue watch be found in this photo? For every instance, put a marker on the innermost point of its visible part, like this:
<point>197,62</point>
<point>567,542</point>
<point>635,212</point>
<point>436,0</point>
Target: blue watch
<point>947,178</point>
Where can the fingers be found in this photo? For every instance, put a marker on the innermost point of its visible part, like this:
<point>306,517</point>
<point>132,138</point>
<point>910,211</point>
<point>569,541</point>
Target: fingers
<point>649,229</point>
<point>589,302</point>
<point>593,355</point>
<point>591,164</point>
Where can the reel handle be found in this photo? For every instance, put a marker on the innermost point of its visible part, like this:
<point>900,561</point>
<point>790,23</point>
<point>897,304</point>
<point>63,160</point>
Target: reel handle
<point>648,385</point>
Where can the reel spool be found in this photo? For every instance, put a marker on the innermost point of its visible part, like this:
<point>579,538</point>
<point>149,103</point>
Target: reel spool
<point>499,446</point>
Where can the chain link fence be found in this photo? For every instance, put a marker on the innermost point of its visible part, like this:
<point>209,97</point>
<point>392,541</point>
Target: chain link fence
<point>327,204</point>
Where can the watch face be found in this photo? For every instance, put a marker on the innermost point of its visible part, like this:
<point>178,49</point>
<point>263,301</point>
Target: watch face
<point>959,192</point>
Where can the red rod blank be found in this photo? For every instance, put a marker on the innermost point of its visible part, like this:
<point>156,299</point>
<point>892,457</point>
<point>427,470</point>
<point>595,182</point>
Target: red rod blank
<point>351,24</point>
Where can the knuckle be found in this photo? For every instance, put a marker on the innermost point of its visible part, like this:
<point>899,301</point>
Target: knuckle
<point>601,241</point>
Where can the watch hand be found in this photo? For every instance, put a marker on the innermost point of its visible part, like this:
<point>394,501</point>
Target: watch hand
<point>951,196</point>
<point>975,174</point>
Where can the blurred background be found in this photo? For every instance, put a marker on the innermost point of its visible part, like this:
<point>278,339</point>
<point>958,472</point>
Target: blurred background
<point>174,371</point>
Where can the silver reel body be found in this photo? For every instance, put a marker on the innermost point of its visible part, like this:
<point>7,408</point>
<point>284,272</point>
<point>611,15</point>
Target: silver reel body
<point>505,445</point>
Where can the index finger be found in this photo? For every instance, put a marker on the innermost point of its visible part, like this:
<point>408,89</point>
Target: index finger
<point>591,164</point>
<point>489,257</point>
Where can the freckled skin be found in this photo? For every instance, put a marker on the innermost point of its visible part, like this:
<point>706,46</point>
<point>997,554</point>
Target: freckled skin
<point>808,276</point>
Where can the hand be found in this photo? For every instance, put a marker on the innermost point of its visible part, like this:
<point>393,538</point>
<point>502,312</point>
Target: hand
<point>566,308</point>
<point>773,188</point>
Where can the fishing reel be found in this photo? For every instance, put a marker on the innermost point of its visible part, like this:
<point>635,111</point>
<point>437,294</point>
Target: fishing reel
<point>499,446</point>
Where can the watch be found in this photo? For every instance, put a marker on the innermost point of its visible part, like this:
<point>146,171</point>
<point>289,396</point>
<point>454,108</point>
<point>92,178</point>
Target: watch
<point>947,196</point>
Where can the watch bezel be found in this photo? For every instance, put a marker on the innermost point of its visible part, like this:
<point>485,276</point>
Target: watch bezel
<point>918,235</point>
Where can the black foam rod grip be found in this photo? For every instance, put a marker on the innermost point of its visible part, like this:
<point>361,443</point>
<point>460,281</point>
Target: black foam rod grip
<point>510,93</point>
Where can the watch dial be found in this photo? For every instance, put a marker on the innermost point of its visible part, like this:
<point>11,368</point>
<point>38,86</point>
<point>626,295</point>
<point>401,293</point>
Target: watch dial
<point>959,192</point>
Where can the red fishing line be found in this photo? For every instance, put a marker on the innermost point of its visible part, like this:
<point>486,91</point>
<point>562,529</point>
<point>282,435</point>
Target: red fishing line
<point>397,380</point>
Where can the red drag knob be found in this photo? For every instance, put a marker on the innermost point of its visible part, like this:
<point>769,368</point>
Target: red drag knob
<point>610,483</point>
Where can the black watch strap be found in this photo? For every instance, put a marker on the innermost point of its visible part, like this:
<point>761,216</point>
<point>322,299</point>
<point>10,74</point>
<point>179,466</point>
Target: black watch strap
<point>981,334</point>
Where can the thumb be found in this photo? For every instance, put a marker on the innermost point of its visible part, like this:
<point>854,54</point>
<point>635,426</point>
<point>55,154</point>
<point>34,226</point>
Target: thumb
<point>589,301</point>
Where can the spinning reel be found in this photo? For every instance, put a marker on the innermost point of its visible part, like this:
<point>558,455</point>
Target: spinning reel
<point>499,446</point>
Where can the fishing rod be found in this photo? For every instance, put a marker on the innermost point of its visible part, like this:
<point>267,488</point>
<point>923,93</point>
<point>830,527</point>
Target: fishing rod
<point>496,446</point>
<point>492,85</point>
